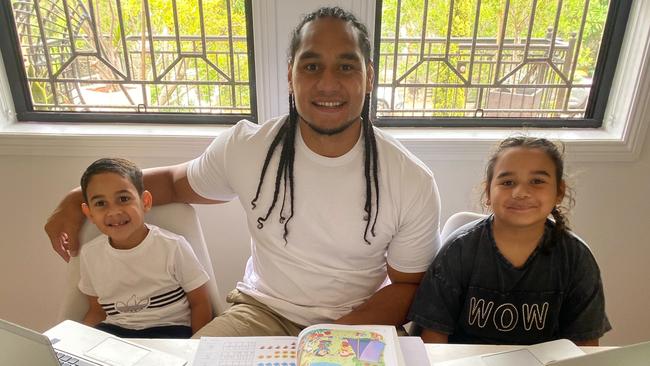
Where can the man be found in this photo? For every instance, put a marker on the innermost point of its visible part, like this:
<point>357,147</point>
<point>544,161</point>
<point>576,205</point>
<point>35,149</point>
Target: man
<point>332,204</point>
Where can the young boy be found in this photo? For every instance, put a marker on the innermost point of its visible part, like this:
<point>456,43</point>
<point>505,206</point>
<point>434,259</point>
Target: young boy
<point>142,281</point>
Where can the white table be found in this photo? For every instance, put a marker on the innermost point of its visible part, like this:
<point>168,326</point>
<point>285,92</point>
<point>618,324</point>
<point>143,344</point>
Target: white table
<point>186,348</point>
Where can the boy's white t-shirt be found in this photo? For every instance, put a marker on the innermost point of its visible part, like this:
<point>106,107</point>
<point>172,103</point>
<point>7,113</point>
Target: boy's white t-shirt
<point>144,286</point>
<point>325,269</point>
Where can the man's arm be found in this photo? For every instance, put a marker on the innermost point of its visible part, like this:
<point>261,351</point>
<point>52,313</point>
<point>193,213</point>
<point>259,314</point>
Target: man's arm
<point>200,307</point>
<point>389,305</point>
<point>170,184</point>
<point>166,184</point>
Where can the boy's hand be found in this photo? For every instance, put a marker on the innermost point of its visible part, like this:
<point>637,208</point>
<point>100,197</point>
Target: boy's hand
<point>64,224</point>
<point>95,314</point>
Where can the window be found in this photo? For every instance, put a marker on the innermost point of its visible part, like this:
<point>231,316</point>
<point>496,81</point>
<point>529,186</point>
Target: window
<point>130,60</point>
<point>542,63</point>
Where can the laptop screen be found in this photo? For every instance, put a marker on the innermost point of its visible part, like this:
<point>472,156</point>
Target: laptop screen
<point>633,355</point>
<point>21,346</point>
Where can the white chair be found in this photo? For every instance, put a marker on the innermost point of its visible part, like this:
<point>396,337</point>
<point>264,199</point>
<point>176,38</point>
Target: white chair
<point>455,221</point>
<point>179,218</point>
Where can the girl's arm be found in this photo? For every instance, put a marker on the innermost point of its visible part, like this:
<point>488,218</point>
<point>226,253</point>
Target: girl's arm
<point>95,314</point>
<point>431,336</point>
<point>437,303</point>
<point>200,307</point>
<point>591,342</point>
<point>583,318</point>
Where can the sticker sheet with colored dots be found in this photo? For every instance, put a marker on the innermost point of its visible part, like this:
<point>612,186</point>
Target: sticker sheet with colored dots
<point>274,354</point>
<point>253,351</point>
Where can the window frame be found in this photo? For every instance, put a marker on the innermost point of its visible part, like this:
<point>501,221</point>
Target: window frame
<point>606,64</point>
<point>24,111</point>
<point>621,138</point>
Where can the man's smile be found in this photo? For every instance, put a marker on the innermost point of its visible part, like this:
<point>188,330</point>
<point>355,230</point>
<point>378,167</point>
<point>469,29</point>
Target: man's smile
<point>328,104</point>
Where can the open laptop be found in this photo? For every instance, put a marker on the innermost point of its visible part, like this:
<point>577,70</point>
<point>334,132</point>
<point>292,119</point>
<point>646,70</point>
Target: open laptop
<point>559,353</point>
<point>632,355</point>
<point>70,341</point>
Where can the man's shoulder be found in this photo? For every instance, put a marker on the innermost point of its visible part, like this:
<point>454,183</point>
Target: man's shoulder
<point>387,141</point>
<point>394,153</point>
<point>246,137</point>
<point>245,129</point>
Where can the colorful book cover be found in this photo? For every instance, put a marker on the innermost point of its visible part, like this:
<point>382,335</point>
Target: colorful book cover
<point>341,347</point>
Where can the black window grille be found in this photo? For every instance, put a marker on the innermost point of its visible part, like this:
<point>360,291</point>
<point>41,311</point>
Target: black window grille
<point>130,60</point>
<point>541,63</point>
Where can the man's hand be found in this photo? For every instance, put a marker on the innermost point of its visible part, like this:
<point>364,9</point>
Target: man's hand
<point>63,225</point>
<point>390,304</point>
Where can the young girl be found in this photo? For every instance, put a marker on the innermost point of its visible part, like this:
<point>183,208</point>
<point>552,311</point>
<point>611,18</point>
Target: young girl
<point>515,277</point>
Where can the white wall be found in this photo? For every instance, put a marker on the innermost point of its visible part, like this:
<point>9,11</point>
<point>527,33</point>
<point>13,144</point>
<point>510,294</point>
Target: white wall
<point>611,215</point>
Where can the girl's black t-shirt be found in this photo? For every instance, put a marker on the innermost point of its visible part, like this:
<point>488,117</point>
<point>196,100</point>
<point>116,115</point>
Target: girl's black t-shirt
<point>475,295</point>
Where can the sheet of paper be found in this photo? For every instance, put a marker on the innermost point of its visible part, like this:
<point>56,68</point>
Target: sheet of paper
<point>413,351</point>
<point>246,351</point>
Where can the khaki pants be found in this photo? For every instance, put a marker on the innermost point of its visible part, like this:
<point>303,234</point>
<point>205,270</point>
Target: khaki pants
<point>248,317</point>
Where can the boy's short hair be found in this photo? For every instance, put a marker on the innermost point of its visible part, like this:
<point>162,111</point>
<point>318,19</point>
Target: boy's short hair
<point>122,167</point>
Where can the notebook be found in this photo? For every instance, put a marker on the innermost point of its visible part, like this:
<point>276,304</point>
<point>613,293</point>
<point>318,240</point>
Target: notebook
<point>21,346</point>
<point>561,352</point>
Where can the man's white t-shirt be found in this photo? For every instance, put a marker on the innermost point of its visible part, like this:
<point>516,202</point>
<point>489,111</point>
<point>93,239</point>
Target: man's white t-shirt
<point>325,269</point>
<point>145,286</point>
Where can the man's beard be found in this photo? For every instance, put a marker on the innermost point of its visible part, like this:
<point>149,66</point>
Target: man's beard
<point>330,131</point>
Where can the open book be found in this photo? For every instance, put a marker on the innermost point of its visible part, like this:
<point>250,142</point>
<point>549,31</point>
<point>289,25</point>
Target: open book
<point>317,345</point>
